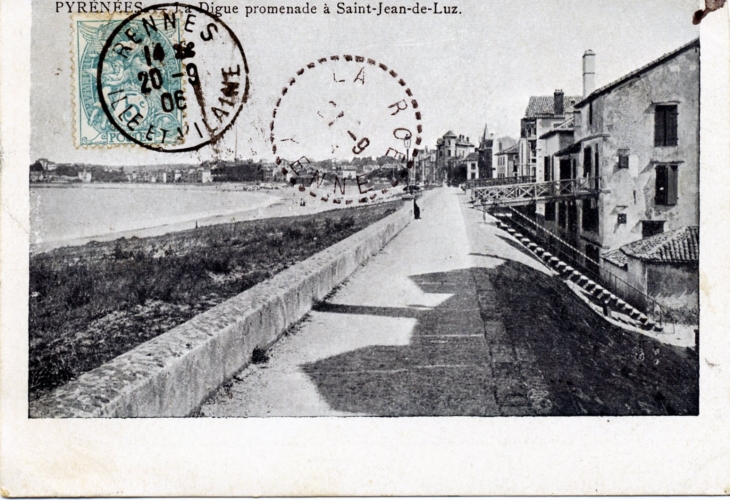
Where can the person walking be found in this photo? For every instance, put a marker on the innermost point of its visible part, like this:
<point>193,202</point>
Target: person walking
<point>416,209</point>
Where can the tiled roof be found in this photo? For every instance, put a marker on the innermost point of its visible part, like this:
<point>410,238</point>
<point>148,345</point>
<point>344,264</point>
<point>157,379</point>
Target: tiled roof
<point>637,72</point>
<point>564,127</point>
<point>472,156</point>
<point>544,105</point>
<point>680,245</point>
<point>616,257</point>
<point>510,150</point>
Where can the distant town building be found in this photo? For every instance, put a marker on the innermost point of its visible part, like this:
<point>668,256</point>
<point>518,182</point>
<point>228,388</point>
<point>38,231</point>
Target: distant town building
<point>472,166</point>
<point>541,114</point>
<point>507,161</point>
<point>486,154</point>
<point>450,152</point>
<point>425,165</point>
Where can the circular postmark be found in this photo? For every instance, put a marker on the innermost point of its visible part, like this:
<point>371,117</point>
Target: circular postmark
<point>172,78</point>
<point>346,129</point>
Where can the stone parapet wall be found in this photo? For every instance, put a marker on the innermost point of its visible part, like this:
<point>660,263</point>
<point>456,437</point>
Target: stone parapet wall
<point>172,374</point>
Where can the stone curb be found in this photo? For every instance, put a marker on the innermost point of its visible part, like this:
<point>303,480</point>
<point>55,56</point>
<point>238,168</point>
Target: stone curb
<point>172,374</point>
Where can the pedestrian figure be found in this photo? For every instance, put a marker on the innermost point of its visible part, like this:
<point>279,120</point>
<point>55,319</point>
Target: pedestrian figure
<point>484,212</point>
<point>416,209</point>
<point>606,309</point>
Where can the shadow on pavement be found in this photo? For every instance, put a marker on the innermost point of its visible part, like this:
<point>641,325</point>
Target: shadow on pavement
<point>459,363</point>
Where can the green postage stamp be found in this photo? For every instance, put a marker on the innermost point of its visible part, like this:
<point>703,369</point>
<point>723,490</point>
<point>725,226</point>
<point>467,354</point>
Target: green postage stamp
<point>123,74</point>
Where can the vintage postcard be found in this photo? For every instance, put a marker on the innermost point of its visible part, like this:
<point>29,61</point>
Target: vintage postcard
<point>236,235</point>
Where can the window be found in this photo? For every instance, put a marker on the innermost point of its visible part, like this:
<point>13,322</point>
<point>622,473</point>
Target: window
<point>449,153</point>
<point>565,172</point>
<point>590,113</point>
<point>621,219</point>
<point>587,162</point>
<point>562,215</point>
<point>665,125</point>
<point>547,168</point>
<point>623,158</point>
<point>590,216</point>
<point>651,227</point>
<point>594,258</point>
<point>666,185</point>
<point>550,212</point>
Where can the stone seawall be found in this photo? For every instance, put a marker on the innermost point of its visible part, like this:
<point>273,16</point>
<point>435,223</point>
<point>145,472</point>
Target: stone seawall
<point>171,375</point>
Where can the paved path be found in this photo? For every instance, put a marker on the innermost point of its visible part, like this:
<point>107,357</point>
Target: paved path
<point>403,336</point>
<point>453,317</point>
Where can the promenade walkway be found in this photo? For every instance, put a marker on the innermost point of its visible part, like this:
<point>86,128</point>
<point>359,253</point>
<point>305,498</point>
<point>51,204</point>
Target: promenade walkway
<point>453,317</point>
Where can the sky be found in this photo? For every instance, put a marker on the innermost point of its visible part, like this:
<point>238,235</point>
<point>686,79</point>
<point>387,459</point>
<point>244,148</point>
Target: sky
<point>479,66</point>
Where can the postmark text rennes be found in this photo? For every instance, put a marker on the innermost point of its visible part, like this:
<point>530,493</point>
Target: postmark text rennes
<point>170,78</point>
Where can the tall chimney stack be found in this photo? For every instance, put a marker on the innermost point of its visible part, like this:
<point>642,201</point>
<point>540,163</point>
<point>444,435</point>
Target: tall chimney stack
<point>589,72</point>
<point>558,103</point>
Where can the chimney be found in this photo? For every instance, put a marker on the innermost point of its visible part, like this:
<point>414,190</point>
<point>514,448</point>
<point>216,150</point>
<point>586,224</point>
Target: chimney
<point>589,72</point>
<point>558,103</point>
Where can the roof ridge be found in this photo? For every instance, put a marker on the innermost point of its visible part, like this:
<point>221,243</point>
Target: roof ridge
<point>636,72</point>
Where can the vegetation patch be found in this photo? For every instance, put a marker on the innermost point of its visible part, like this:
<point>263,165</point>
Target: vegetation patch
<point>92,303</point>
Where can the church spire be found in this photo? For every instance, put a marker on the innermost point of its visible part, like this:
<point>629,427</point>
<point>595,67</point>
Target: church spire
<point>485,136</point>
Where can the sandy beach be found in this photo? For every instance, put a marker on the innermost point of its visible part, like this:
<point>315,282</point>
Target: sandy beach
<point>283,202</point>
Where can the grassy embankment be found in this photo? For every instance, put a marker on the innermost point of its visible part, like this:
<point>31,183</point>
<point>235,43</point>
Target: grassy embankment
<point>92,303</point>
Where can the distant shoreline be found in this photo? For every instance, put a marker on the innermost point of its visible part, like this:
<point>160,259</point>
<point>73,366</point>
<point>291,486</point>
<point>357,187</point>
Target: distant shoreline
<point>285,204</point>
<point>223,186</point>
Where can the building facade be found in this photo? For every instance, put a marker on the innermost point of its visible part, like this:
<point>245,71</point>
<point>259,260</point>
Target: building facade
<point>450,152</point>
<point>507,162</point>
<point>472,166</point>
<point>637,139</point>
<point>541,115</point>
<point>486,154</point>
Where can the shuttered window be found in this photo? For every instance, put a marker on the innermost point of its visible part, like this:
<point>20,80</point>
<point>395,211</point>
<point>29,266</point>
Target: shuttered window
<point>666,184</point>
<point>623,158</point>
<point>665,125</point>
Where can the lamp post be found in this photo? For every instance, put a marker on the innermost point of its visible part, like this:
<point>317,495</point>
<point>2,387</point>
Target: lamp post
<point>407,144</point>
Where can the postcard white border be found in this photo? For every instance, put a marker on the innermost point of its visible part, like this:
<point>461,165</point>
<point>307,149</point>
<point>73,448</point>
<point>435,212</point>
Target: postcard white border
<point>364,456</point>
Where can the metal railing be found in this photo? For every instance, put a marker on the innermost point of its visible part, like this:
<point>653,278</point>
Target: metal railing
<point>592,269</point>
<point>541,191</point>
<point>500,181</point>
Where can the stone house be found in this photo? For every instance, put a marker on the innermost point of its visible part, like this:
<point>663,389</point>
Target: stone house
<point>638,139</point>
<point>541,115</point>
<point>472,166</point>
<point>640,136</point>
<point>507,161</point>
<point>665,267</point>
<point>450,151</point>
<point>426,166</point>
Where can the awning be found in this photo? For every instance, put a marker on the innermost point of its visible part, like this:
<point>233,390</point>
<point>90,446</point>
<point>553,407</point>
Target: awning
<point>572,149</point>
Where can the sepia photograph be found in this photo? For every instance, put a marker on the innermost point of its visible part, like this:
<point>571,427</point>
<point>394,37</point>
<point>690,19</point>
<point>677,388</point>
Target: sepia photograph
<point>264,214</point>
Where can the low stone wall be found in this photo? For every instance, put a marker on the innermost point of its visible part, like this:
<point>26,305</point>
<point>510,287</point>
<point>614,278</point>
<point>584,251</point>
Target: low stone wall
<point>171,375</point>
